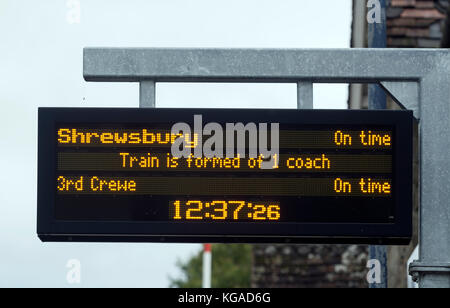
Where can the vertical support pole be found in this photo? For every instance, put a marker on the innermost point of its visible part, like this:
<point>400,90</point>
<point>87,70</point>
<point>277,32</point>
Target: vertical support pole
<point>147,97</point>
<point>377,31</point>
<point>377,100</point>
<point>433,267</point>
<point>207,266</point>
<point>305,96</point>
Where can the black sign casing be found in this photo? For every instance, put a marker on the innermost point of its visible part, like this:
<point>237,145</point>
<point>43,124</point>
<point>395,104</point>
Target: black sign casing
<point>306,219</point>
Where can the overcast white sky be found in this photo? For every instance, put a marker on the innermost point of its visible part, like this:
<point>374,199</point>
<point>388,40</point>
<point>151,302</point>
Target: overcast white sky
<point>41,65</point>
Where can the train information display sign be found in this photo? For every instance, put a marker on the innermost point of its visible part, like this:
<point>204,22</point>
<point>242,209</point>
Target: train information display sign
<point>226,176</point>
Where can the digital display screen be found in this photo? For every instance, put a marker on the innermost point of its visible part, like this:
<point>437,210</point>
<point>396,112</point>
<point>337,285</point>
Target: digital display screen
<point>336,168</point>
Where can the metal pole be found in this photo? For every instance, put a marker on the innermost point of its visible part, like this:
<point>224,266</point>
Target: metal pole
<point>377,100</point>
<point>305,95</point>
<point>207,266</point>
<point>432,270</point>
<point>147,96</point>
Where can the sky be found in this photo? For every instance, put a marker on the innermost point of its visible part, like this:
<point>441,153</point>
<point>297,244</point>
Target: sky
<point>41,66</point>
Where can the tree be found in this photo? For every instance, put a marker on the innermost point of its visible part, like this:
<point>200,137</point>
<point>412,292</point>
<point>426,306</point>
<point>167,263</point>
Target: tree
<point>231,268</point>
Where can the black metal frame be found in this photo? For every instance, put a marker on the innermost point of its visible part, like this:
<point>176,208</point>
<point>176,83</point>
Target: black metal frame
<point>50,229</point>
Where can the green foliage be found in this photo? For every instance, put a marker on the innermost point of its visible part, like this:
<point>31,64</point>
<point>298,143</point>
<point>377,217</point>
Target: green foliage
<point>231,268</point>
